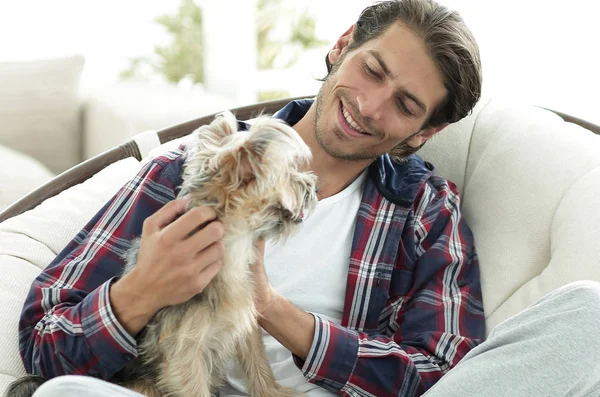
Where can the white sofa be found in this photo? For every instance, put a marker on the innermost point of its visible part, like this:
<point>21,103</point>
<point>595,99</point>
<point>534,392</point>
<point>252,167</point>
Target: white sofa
<point>49,122</point>
<point>531,193</point>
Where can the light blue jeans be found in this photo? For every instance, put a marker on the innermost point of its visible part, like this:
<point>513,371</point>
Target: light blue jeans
<point>550,349</point>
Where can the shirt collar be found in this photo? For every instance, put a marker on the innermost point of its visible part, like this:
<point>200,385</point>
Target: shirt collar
<point>294,111</point>
<point>396,181</point>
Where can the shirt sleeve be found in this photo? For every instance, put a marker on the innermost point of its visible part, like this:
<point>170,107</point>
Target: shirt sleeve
<point>67,325</point>
<point>431,328</point>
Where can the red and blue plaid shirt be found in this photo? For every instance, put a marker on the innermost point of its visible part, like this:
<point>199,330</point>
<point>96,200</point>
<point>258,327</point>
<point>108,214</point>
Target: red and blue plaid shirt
<point>413,298</point>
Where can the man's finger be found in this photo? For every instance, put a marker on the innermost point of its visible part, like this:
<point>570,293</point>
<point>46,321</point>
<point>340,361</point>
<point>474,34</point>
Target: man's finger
<point>189,222</point>
<point>260,246</point>
<point>208,235</point>
<point>207,274</point>
<point>167,214</point>
<point>212,253</point>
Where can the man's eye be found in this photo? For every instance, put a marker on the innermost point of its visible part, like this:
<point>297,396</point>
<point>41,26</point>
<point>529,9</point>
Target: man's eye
<point>402,106</point>
<point>372,73</point>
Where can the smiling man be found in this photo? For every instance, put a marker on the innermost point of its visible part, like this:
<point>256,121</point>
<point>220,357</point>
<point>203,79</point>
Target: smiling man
<point>379,292</point>
<point>377,98</point>
<point>407,305</point>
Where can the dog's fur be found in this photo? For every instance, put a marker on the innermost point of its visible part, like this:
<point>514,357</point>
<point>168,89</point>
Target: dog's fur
<point>255,182</point>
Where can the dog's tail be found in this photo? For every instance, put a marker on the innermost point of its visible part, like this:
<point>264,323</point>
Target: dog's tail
<point>25,386</point>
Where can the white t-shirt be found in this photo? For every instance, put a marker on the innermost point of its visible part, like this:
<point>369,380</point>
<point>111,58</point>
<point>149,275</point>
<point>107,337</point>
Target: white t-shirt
<point>311,270</point>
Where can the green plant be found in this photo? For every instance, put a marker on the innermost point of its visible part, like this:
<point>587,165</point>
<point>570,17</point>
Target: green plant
<point>302,35</point>
<point>184,56</point>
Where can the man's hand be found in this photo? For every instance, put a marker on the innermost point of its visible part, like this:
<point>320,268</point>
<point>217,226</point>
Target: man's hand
<point>175,262</point>
<point>292,327</point>
<point>264,292</point>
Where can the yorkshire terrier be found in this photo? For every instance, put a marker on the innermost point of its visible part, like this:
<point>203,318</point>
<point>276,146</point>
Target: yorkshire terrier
<point>257,184</point>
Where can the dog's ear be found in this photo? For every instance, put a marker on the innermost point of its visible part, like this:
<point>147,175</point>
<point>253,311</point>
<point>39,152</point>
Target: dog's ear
<point>264,132</point>
<point>244,162</point>
<point>268,131</point>
<point>221,127</point>
<point>249,162</point>
<point>269,127</point>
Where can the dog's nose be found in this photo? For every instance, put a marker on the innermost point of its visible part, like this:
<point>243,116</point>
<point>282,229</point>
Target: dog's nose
<point>300,218</point>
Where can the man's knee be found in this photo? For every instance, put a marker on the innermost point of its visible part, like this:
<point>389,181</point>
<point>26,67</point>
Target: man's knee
<point>578,305</point>
<point>55,387</point>
<point>67,385</point>
<point>585,292</point>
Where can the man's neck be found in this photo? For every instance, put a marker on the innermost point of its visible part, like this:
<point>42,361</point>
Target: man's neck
<point>334,174</point>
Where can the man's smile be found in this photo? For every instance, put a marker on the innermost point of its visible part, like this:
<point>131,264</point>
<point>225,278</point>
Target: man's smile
<point>349,123</point>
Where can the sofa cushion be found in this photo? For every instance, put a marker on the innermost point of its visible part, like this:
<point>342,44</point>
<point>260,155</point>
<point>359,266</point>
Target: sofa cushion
<point>30,241</point>
<point>532,199</point>
<point>39,109</point>
<point>449,149</point>
<point>531,193</point>
<point>19,175</point>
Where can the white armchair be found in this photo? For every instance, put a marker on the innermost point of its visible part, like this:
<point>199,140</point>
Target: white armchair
<point>531,193</point>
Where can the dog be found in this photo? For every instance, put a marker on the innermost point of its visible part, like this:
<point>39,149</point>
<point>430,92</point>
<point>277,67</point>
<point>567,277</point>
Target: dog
<point>256,182</point>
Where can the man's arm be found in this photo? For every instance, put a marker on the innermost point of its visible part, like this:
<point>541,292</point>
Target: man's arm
<point>291,326</point>
<point>431,327</point>
<point>79,317</point>
<point>68,325</point>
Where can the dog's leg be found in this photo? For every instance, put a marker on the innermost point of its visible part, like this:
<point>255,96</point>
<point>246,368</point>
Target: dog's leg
<point>185,374</point>
<point>261,382</point>
<point>178,355</point>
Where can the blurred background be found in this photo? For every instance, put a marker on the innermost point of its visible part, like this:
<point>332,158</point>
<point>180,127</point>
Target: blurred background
<point>78,77</point>
<point>545,52</point>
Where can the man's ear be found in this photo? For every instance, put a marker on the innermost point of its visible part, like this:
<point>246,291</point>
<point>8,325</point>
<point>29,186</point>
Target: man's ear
<point>423,135</point>
<point>340,45</point>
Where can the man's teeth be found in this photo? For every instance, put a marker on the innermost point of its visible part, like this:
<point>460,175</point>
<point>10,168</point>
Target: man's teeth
<point>352,123</point>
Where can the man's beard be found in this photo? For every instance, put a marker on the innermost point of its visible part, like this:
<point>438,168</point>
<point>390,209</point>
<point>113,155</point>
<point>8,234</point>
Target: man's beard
<point>403,150</point>
<point>398,152</point>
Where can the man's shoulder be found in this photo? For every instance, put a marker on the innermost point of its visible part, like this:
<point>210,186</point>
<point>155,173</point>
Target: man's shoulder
<point>170,157</point>
<point>438,190</point>
<point>401,181</point>
<point>410,182</point>
<point>170,163</point>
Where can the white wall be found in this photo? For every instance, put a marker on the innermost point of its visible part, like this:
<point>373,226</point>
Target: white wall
<point>230,50</point>
<point>544,52</point>
<point>108,32</point>
<point>540,51</point>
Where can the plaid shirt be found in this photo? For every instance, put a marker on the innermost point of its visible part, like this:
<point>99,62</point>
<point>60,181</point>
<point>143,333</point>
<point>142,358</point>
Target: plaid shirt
<point>413,298</point>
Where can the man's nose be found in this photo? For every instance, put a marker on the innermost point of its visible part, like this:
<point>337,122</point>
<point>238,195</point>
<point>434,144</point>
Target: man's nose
<point>372,104</point>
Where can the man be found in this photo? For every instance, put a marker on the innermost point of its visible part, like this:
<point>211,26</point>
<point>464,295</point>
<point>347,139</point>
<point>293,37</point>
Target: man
<point>391,320</point>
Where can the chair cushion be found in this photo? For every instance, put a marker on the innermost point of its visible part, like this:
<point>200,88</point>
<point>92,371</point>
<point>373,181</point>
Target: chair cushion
<point>532,199</point>
<point>448,150</point>
<point>30,241</point>
<point>531,193</point>
<point>19,175</point>
<point>39,102</point>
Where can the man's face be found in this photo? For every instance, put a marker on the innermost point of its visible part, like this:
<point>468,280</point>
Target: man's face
<point>377,96</point>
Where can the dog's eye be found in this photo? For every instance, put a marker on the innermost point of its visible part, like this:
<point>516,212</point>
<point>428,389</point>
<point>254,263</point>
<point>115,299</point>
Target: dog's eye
<point>285,213</point>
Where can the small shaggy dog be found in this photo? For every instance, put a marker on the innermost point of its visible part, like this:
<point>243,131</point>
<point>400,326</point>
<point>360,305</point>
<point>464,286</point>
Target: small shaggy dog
<point>255,182</point>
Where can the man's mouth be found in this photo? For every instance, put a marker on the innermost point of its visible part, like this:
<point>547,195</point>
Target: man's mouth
<point>351,122</point>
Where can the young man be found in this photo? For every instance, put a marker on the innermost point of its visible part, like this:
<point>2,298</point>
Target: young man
<point>378,294</point>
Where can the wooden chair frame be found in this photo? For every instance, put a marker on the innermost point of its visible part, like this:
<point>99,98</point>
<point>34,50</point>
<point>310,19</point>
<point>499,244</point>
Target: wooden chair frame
<point>85,170</point>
